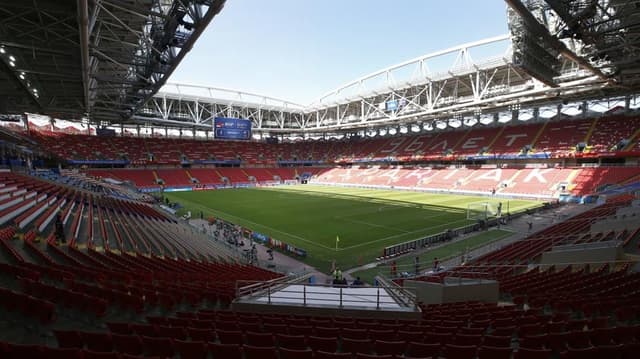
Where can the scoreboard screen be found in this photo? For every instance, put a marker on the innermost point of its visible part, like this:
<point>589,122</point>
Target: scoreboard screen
<point>232,128</point>
<point>391,105</point>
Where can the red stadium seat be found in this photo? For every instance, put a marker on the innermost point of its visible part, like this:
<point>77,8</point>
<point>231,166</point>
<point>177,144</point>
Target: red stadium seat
<point>62,353</point>
<point>329,345</point>
<point>363,346</point>
<point>191,349</point>
<point>253,352</point>
<point>420,350</point>
<point>230,337</point>
<point>330,355</point>
<point>129,344</point>
<point>295,353</point>
<point>161,347</point>
<point>259,339</point>
<point>230,351</point>
<point>88,354</point>
<point>391,348</point>
<point>69,339</point>
<point>98,342</point>
<point>298,342</point>
<point>525,353</point>
<point>488,352</point>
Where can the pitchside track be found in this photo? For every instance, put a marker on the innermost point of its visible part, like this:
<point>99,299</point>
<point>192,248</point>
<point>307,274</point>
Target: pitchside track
<point>311,217</point>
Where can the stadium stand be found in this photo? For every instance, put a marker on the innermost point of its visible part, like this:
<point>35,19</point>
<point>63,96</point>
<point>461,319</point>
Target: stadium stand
<point>555,138</point>
<point>612,134</point>
<point>174,177</point>
<point>513,139</point>
<point>206,176</point>
<point>128,266</point>
<point>139,177</point>
<point>152,284</point>
<point>526,182</point>
<point>561,138</point>
<point>93,267</point>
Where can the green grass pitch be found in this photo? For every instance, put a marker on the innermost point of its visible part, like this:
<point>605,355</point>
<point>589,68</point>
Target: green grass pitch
<point>311,217</point>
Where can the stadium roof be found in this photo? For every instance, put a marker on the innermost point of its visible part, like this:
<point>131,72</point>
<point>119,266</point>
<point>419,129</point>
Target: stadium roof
<point>97,59</point>
<point>409,93</point>
<point>603,34</point>
<point>111,63</point>
<point>594,44</point>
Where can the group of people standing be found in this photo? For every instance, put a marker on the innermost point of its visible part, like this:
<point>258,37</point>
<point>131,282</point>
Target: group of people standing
<point>340,280</point>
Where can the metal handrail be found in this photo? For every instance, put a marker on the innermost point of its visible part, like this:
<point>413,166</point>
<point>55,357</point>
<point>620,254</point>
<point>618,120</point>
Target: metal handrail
<point>399,296</point>
<point>399,293</point>
<point>253,288</point>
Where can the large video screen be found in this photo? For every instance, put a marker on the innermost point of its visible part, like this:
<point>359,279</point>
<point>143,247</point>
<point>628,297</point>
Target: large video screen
<point>232,128</point>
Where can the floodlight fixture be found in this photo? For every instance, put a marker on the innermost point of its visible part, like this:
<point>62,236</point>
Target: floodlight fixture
<point>525,115</point>
<point>504,117</point>
<point>486,119</point>
<point>547,111</point>
<point>470,121</point>
<point>573,109</point>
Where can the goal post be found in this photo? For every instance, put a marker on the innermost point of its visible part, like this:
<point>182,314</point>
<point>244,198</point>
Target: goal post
<point>484,210</point>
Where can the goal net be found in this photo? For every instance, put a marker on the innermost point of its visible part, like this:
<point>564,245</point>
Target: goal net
<point>483,210</point>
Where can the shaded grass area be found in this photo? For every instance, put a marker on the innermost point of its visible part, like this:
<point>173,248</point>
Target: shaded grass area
<point>312,217</point>
<point>442,252</point>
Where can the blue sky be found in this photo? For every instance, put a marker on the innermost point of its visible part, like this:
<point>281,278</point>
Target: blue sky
<point>300,49</point>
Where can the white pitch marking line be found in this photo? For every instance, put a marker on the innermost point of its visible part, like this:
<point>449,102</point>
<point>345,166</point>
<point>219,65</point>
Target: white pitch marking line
<point>370,224</point>
<point>400,235</point>
<point>267,227</point>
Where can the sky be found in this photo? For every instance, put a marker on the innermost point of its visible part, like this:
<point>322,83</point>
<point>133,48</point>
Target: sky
<point>300,49</point>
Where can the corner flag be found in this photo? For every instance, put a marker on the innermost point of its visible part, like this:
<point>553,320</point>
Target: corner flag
<point>337,240</point>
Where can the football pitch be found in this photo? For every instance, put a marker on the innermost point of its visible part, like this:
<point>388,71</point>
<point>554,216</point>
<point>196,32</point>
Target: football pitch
<point>313,217</point>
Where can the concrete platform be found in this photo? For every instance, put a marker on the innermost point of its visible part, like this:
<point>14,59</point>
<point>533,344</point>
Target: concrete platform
<point>326,300</point>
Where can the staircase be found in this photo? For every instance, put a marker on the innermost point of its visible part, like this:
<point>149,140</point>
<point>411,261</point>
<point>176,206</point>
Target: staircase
<point>636,137</point>
<point>540,132</point>
<point>590,132</point>
<point>155,176</point>
<point>191,178</point>
<point>495,139</point>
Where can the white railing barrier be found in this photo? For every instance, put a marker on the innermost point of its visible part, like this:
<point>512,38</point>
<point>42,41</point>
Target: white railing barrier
<point>272,291</point>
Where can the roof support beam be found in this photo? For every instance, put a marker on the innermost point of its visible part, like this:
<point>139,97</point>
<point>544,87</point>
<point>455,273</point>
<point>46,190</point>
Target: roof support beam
<point>143,119</point>
<point>83,25</point>
<point>35,48</point>
<point>526,15</point>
